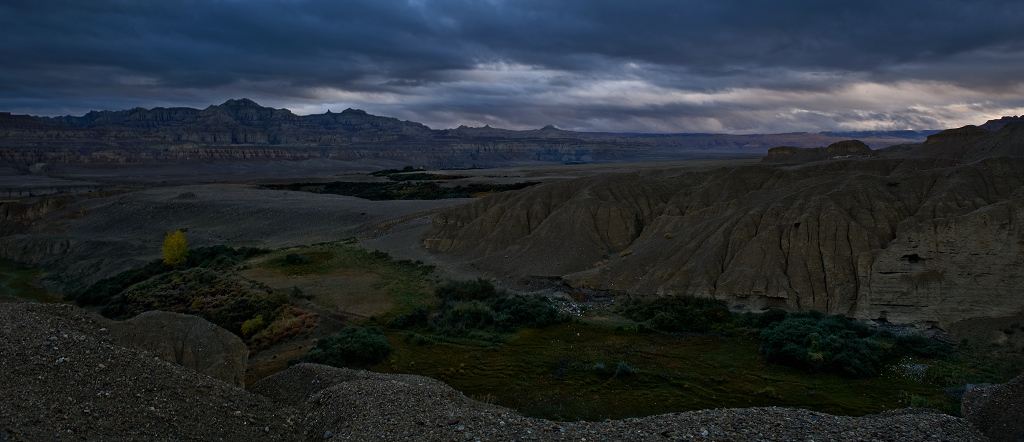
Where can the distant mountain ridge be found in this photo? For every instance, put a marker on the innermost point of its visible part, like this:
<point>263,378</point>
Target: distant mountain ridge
<point>241,129</point>
<point>244,114</point>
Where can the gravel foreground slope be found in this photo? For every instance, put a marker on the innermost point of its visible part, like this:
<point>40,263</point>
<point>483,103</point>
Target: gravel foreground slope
<point>62,378</point>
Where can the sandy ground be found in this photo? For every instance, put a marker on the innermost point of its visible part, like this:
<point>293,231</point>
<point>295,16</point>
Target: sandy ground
<point>98,237</point>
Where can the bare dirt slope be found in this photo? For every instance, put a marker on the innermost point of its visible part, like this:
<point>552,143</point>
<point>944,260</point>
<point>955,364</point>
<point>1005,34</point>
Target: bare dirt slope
<point>62,377</point>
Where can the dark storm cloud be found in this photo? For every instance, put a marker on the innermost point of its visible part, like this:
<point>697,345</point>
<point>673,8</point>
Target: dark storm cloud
<point>662,65</point>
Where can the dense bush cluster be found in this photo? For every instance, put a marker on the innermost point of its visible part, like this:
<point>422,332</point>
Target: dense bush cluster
<point>477,310</point>
<point>424,177</point>
<point>250,312</point>
<point>401,190</point>
<point>200,287</point>
<point>215,257</point>
<point>351,347</point>
<point>387,172</point>
<point>836,344</point>
<point>810,341</point>
<point>678,314</point>
<point>404,190</point>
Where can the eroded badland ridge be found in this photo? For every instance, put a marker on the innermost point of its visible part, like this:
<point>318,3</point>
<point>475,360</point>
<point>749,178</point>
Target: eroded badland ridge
<point>927,234</point>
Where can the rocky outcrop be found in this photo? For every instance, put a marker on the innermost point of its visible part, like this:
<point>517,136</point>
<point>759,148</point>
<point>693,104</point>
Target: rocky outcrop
<point>995,125</point>
<point>951,268</point>
<point>16,217</point>
<point>998,411</point>
<point>186,340</point>
<point>907,240</point>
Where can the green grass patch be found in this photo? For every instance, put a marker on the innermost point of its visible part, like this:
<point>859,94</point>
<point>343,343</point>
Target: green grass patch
<point>578,371</point>
<point>16,280</point>
<point>409,283</point>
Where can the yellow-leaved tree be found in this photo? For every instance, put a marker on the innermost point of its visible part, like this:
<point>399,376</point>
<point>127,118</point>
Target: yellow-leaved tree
<point>175,248</point>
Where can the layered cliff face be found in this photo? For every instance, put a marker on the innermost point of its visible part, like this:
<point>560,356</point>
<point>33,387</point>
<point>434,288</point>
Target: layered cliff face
<point>905,239</point>
<point>243,130</point>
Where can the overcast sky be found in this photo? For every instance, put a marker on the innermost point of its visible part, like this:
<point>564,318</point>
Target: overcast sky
<point>593,65</point>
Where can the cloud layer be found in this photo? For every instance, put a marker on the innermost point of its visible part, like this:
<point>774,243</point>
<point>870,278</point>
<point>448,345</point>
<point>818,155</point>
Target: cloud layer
<point>598,65</point>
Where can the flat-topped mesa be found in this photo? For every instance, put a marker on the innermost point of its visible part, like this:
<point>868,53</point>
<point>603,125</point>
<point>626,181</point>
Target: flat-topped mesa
<point>840,149</point>
<point>969,132</point>
<point>848,147</point>
<point>967,144</point>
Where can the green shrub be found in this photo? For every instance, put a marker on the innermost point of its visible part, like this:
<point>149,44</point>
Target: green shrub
<point>927,348</point>
<point>827,343</point>
<point>415,319</point>
<point>351,347</point>
<point>623,369</point>
<point>294,259</point>
<point>252,326</point>
<point>678,313</point>
<point>479,290</point>
<point>762,320</point>
<point>477,310</point>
